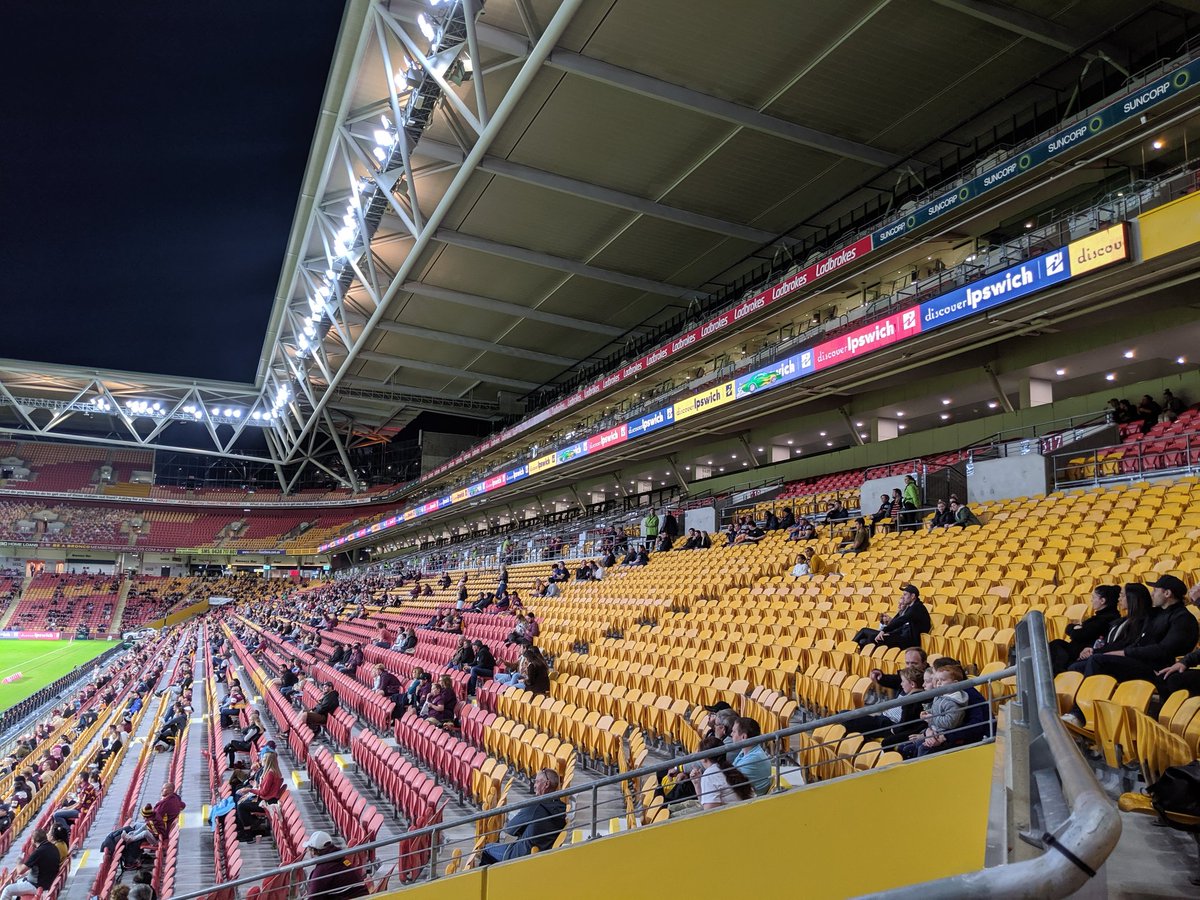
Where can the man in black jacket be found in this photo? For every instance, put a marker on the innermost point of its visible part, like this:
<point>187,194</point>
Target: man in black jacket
<point>1172,632</point>
<point>535,826</point>
<point>903,629</point>
<point>1182,676</point>
<point>317,716</point>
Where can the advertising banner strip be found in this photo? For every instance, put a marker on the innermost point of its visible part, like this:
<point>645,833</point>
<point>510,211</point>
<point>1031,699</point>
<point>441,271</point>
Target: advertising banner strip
<point>1082,256</point>
<point>1116,113</point>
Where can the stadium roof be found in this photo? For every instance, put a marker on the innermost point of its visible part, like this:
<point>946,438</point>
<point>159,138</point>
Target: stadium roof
<point>492,199</point>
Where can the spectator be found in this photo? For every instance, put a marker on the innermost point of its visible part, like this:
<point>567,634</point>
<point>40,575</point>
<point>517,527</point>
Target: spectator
<point>243,744</point>
<point>1148,411</point>
<point>1181,675</point>
<point>946,713</point>
<point>485,666</point>
<point>884,511</point>
<point>388,685</point>
<point>289,678</point>
<point>37,872</point>
<point>893,726</point>
<point>536,826</point>
<point>859,541</point>
<point>417,692</point>
<point>169,807</point>
<point>1134,603</point>
<point>383,637</point>
<point>942,517</point>
<point>334,877</point>
<point>963,515</point>
<point>83,798</point>
<point>802,567</point>
<point>464,655</point>
<point>353,660</point>
<point>804,530</point>
<point>439,708</point>
<point>316,717</point>
<point>910,502</point>
<point>719,784</point>
<point>752,762</point>
<point>914,658</point>
<point>1171,632</point>
<point>1105,614</point>
<point>1172,406</point>
<point>771,521</point>
<point>788,520</point>
<point>835,511</point>
<point>902,630</point>
<point>751,534</point>
<point>650,526</point>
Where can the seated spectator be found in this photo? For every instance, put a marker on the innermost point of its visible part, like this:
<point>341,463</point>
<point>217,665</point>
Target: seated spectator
<point>788,519</point>
<point>444,581</point>
<point>417,692</point>
<point>584,572</point>
<point>804,530</point>
<point>485,666</point>
<point>963,515</point>
<point>752,762</point>
<point>316,717</point>
<point>1182,675</point>
<point>664,543</point>
<point>801,569</point>
<point>894,726</point>
<point>902,630</point>
<point>388,685</point>
<point>289,678</point>
<point>835,511</point>
<point>334,877</point>
<point>439,707</point>
<point>1172,406</point>
<point>337,655</point>
<point>884,511</point>
<point>37,872</point>
<point>1170,632</point>
<point>942,517</point>
<point>914,658</point>
<point>1148,411</point>
<point>170,805</point>
<point>353,660</point>
<point>770,521</point>
<point>945,714</point>
<point>719,783</point>
<point>751,534</point>
<point>464,656</point>
<point>535,826</point>
<point>1105,614</point>
<point>383,636</point>
<point>245,742</point>
<point>859,541</point>
<point>78,802</point>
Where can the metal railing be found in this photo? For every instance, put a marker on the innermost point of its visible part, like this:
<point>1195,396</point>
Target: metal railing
<point>1128,461</point>
<point>586,804</point>
<point>1079,824</point>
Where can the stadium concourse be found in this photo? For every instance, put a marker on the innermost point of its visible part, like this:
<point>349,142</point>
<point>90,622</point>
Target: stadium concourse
<point>631,473</point>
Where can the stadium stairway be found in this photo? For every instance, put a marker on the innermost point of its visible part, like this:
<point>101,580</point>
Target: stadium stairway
<point>119,612</point>
<point>85,865</point>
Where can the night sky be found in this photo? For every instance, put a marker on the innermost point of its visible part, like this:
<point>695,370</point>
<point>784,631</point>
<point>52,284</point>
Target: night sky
<point>151,156</point>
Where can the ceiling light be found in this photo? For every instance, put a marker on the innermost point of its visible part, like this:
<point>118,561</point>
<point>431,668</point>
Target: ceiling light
<point>944,416</point>
<point>901,426</point>
<point>1060,371</point>
<point>721,469</point>
<point>822,434</point>
<point>687,468</point>
<point>899,414</point>
<point>215,411</point>
<point>256,415</point>
<point>992,404</point>
<point>1158,143</point>
<point>1111,376</point>
<point>790,442</point>
<point>858,424</point>
<point>1029,224</point>
<point>745,464</point>
<point>863,435</point>
<point>1128,354</point>
<point>228,412</point>
<point>1181,360</point>
<point>760,449</point>
<point>733,456</point>
<point>799,450</point>
<point>945,401</point>
<point>829,443</point>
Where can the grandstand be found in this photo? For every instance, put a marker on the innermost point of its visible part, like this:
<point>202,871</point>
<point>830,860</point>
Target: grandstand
<point>529,521</point>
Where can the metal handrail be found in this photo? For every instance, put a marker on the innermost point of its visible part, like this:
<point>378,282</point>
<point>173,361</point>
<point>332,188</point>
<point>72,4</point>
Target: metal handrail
<point>593,788</point>
<point>1134,452</point>
<point>1075,848</point>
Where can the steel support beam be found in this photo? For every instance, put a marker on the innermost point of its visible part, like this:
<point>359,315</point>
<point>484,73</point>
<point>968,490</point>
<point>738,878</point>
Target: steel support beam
<point>444,337</point>
<point>450,371</point>
<point>561,264</point>
<point>528,72</point>
<point>588,191</point>
<point>1001,397</point>
<point>855,437</point>
<point>491,304</point>
<point>1025,24</point>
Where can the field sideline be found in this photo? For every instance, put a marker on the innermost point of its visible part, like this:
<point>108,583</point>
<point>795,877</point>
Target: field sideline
<point>41,662</point>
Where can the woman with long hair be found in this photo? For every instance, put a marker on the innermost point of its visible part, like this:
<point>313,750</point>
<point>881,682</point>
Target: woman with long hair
<point>1106,614</point>
<point>1134,602</point>
<point>719,783</point>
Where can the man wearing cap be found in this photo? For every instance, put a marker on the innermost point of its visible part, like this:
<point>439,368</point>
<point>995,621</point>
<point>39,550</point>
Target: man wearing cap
<point>1171,632</point>
<point>1182,675</point>
<point>903,629</point>
<point>334,877</point>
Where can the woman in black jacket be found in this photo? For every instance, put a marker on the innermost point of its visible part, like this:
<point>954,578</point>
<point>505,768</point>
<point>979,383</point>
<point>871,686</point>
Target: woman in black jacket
<point>1135,603</point>
<point>1105,614</point>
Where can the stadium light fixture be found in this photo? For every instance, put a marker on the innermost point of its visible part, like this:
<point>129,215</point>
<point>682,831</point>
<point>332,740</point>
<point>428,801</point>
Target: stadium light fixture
<point>426,26</point>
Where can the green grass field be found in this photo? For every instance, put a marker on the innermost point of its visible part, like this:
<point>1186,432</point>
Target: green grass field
<point>41,662</point>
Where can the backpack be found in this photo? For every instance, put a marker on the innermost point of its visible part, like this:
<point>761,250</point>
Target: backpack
<point>1177,791</point>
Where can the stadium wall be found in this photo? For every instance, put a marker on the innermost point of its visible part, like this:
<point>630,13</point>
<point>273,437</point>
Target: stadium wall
<point>839,839</point>
<point>181,615</point>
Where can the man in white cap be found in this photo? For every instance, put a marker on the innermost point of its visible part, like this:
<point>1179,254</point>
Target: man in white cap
<point>334,877</point>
